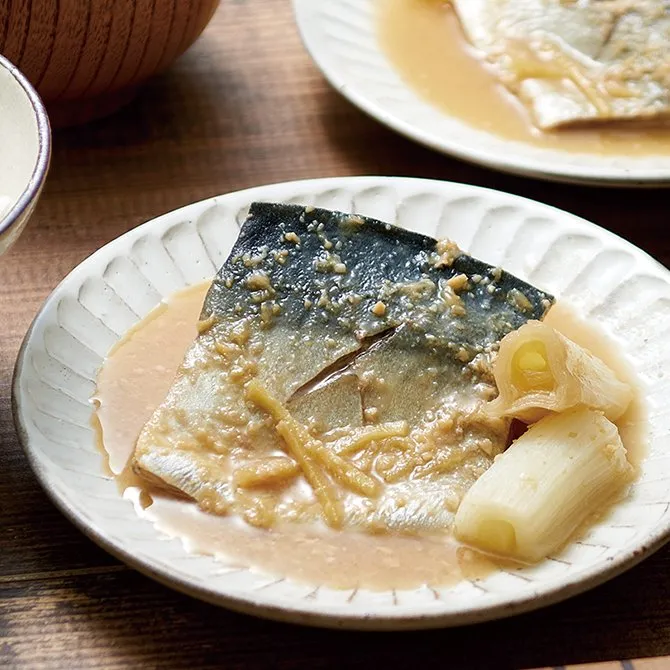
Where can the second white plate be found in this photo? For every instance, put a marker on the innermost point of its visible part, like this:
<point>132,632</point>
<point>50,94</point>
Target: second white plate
<point>341,36</point>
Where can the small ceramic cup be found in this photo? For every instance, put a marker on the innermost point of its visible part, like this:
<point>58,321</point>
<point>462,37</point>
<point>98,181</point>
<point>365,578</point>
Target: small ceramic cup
<point>25,150</point>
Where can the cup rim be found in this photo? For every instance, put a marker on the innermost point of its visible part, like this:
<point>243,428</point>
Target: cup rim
<point>41,168</point>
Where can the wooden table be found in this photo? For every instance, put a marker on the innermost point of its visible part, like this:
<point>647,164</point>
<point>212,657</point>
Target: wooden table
<point>244,107</point>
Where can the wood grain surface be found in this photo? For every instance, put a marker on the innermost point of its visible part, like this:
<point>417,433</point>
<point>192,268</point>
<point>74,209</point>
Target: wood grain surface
<point>246,106</point>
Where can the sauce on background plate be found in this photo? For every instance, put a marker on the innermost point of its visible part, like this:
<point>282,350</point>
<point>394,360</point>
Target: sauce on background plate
<point>424,41</point>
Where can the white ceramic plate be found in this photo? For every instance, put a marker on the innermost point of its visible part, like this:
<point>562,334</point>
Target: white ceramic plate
<point>341,36</point>
<point>601,275</point>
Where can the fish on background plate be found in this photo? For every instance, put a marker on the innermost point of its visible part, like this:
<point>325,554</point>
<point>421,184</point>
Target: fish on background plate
<point>355,328</point>
<point>577,62</point>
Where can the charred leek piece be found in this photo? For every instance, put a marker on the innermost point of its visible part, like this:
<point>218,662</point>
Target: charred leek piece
<point>539,370</point>
<point>535,495</point>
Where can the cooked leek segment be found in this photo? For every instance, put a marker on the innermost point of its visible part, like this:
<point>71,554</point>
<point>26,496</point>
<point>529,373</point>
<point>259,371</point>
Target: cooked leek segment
<point>538,371</point>
<point>534,496</point>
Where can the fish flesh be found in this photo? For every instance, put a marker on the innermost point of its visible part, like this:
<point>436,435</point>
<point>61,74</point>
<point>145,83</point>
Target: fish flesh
<point>339,373</point>
<point>573,62</point>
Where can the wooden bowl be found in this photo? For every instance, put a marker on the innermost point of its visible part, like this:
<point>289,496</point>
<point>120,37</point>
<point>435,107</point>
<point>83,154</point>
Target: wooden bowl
<point>87,57</point>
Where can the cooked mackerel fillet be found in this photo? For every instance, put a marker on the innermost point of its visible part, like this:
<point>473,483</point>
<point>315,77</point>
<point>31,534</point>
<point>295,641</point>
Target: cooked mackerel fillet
<point>577,61</point>
<point>339,375</point>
